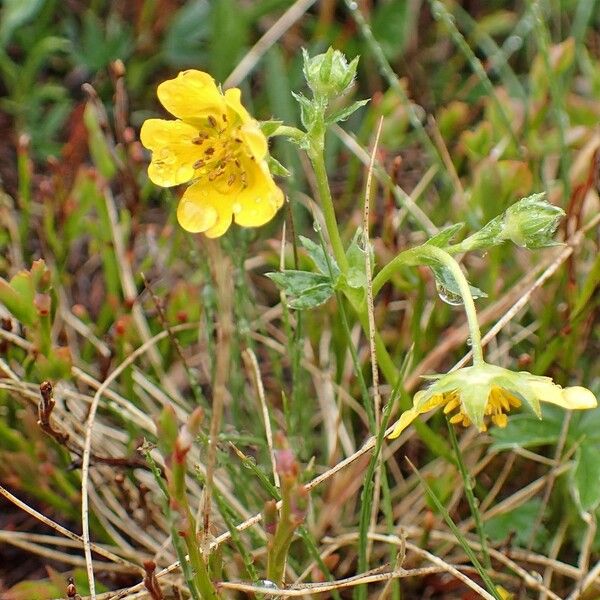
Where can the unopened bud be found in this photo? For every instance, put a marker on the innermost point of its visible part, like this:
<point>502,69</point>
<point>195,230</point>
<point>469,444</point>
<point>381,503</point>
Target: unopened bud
<point>286,464</point>
<point>532,222</point>
<point>329,75</point>
<point>43,304</point>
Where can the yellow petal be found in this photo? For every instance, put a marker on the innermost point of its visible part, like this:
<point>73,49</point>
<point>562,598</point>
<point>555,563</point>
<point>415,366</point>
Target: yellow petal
<point>203,209</point>
<point>233,99</point>
<point>546,390</point>
<point>578,398</point>
<point>260,200</point>
<point>254,139</point>
<point>173,153</point>
<point>406,418</point>
<point>192,96</point>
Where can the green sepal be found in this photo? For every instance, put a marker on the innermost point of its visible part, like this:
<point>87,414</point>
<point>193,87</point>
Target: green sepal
<point>269,127</point>
<point>276,168</point>
<point>442,238</point>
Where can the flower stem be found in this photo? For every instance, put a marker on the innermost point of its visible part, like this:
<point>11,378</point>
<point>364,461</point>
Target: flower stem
<point>318,162</point>
<point>470,497</point>
<point>424,255</point>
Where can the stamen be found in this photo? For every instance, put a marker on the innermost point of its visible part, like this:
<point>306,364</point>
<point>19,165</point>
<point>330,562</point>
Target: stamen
<point>198,164</point>
<point>231,180</point>
<point>451,405</point>
<point>209,151</point>
<point>457,418</point>
<point>212,121</point>
<point>500,420</point>
<point>224,116</point>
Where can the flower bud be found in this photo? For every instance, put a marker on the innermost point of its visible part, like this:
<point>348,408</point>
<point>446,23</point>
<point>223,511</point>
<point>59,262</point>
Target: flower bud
<point>531,222</point>
<point>329,75</point>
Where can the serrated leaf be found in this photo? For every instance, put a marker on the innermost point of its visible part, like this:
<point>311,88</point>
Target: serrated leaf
<point>343,113</point>
<point>585,480</point>
<point>311,298</point>
<point>303,289</point>
<point>317,255</point>
<point>445,236</point>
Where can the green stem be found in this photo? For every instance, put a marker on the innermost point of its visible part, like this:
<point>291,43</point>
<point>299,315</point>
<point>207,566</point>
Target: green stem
<point>201,576</point>
<point>279,546</point>
<point>318,162</point>
<point>425,254</point>
<point>470,497</point>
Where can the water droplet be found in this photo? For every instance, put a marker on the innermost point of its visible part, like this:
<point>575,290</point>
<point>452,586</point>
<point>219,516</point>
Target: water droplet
<point>270,585</point>
<point>258,200</point>
<point>447,296</point>
<point>537,576</point>
<point>469,342</point>
<point>236,208</point>
<point>352,5</point>
<point>316,226</point>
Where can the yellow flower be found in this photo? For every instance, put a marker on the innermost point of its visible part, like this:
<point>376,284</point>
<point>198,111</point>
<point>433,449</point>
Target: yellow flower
<point>486,392</point>
<point>219,148</point>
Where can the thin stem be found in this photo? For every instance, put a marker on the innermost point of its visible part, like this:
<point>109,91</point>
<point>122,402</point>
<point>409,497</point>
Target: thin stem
<point>318,162</point>
<point>473,504</point>
<point>424,254</point>
<point>465,292</point>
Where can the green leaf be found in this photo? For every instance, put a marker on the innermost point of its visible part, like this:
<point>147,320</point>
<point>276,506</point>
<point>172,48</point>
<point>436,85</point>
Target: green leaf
<point>392,25</point>
<point>307,110</point>
<point>167,430</point>
<point>317,254</point>
<point>591,283</point>
<point>343,113</point>
<point>519,521</point>
<point>527,431</point>
<point>186,39</point>
<point>585,480</point>
<point>304,289</point>
<point>448,289</point>
<point>99,149</point>
<point>442,238</point>
<point>356,276</point>
<point>16,13</point>
<point>17,306</point>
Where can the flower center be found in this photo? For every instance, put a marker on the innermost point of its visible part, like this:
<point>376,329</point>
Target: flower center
<point>499,404</point>
<point>220,149</point>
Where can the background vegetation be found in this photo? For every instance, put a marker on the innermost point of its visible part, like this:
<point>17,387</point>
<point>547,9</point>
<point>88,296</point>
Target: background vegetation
<point>482,103</point>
